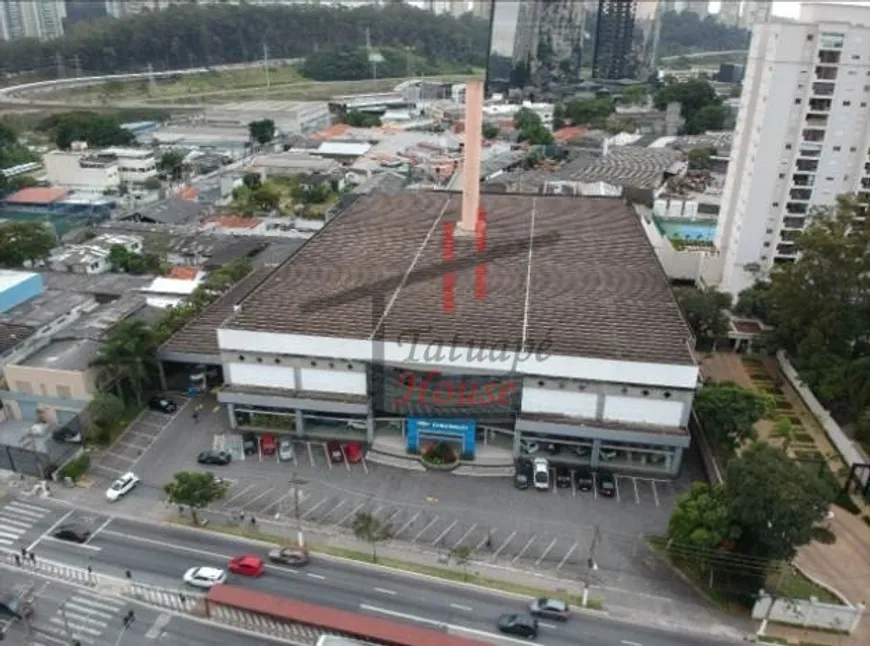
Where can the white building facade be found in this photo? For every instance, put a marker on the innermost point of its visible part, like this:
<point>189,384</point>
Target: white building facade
<point>135,165</point>
<point>802,136</point>
<point>83,172</point>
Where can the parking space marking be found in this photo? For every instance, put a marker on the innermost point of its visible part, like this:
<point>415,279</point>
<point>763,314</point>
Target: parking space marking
<point>343,450</point>
<point>553,479</point>
<point>616,486</point>
<point>655,493</point>
<point>486,538</point>
<point>444,533</point>
<point>423,531</point>
<point>350,514</point>
<point>636,492</point>
<point>456,606</point>
<point>240,494</point>
<point>628,643</point>
<point>293,456</point>
<point>407,524</point>
<point>314,508</point>
<point>525,548</point>
<point>363,463</point>
<point>567,556</point>
<point>385,591</point>
<point>546,551</point>
<point>255,498</point>
<point>464,536</point>
<point>595,485</point>
<point>130,444</point>
<point>277,503</point>
<point>386,519</point>
<point>311,454</point>
<point>573,483</point>
<point>504,545</point>
<point>341,503</point>
<point>326,454</point>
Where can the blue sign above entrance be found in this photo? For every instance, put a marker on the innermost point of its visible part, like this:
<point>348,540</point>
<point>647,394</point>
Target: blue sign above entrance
<point>462,430</point>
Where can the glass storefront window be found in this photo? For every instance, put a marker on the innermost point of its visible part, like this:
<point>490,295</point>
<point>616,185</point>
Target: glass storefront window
<point>266,419</point>
<point>331,426</point>
<point>639,457</point>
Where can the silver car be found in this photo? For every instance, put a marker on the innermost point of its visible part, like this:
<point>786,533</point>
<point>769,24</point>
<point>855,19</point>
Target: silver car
<point>285,450</point>
<point>549,608</point>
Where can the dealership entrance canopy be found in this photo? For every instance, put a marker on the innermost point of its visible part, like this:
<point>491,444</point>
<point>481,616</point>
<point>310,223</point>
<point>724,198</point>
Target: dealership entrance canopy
<point>560,327</point>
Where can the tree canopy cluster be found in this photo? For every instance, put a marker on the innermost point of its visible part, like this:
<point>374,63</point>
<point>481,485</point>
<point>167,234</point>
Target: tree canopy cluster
<point>728,412</point>
<point>187,35</point>
<point>262,131</point>
<point>531,128</point>
<point>685,32</point>
<point>12,153</point>
<point>352,64</point>
<point>24,242</point>
<point>704,310</point>
<point>98,130</point>
<point>701,107</point>
<point>358,119</point>
<point>819,307</point>
<point>123,260</point>
<point>584,112</point>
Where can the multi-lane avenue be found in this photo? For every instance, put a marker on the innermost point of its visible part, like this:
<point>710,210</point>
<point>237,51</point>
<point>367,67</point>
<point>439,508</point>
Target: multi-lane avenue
<point>159,554</point>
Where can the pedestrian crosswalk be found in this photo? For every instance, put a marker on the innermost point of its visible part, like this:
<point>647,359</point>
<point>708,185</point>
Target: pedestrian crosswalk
<point>83,617</point>
<point>16,518</point>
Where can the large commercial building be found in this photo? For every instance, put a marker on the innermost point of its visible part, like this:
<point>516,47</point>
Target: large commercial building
<point>755,11</point>
<point>802,136</point>
<point>29,19</point>
<point>451,316</point>
<point>626,39</point>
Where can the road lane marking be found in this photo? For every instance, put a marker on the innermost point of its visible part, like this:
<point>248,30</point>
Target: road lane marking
<point>636,492</point>
<point>546,551</point>
<point>567,556</point>
<point>52,539</point>
<point>465,535</point>
<point>525,547</point>
<point>503,545</point>
<point>310,454</point>
<point>422,531</point>
<point>315,576</point>
<point>5,520</point>
<point>50,530</point>
<point>255,498</point>
<point>385,591</point>
<point>444,533</point>
<point>318,505</point>
<point>326,453</point>
<point>628,643</point>
<point>483,540</point>
<point>546,625</point>
<point>158,626</point>
<point>19,506</point>
<point>655,493</point>
<point>99,529</point>
<point>407,525</point>
<point>460,607</point>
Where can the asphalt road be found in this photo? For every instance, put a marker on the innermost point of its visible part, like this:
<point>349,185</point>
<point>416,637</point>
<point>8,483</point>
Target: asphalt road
<point>158,555</point>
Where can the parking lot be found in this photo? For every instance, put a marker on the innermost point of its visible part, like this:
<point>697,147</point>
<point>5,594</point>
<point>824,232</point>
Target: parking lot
<point>332,495</point>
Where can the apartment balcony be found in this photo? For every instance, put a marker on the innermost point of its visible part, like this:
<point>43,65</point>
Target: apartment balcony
<point>816,120</point>
<point>812,135</point>
<point>810,149</point>
<point>786,249</point>
<point>829,56</point>
<point>794,223</point>
<point>867,168</point>
<point>820,105</point>
<point>787,235</point>
<point>807,165</point>
<point>826,73</point>
<point>823,88</point>
<point>865,183</point>
<point>803,194</point>
<point>803,181</point>
<point>796,208</point>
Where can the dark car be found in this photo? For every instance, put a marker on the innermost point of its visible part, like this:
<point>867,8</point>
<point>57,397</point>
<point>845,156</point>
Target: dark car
<point>563,477</point>
<point>249,443</point>
<point>518,624</point>
<point>295,556</point>
<point>67,435</point>
<point>583,479</point>
<point>334,452</point>
<point>162,405</point>
<point>550,609</point>
<point>220,458</point>
<point>13,607</point>
<point>553,449</point>
<point>72,533</point>
<point>523,477</point>
<point>606,484</point>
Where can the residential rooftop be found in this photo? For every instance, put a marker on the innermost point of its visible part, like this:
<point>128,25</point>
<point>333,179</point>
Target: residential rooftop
<point>97,284</point>
<point>63,354</point>
<point>38,195</point>
<point>576,273</point>
<point>11,335</point>
<point>49,307</point>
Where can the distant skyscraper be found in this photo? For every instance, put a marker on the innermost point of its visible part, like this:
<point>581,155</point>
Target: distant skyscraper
<point>27,19</point>
<point>626,39</point>
<point>729,13</point>
<point>755,11</point>
<point>482,8</point>
<point>535,44</point>
<point>700,7</point>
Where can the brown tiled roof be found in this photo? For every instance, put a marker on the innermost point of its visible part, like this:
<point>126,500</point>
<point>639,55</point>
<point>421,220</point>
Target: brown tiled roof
<point>37,195</point>
<point>182,272</point>
<point>594,289</point>
<point>199,336</point>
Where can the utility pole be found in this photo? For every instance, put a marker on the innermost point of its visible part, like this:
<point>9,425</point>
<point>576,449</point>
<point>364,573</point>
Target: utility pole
<point>152,84</point>
<point>61,69</point>
<point>78,63</point>
<point>296,482</point>
<point>266,63</point>
<point>591,565</point>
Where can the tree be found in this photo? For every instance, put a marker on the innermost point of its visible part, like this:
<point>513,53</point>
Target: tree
<point>704,310</point>
<point>531,128</point>
<point>754,302</point>
<point>24,242</point>
<point>701,519</point>
<point>152,184</point>
<point>699,158</point>
<point>589,111</point>
<point>775,501</point>
<point>262,131</point>
<point>171,164</point>
<point>490,130</point>
<point>634,95</point>
<point>252,180</point>
<point>128,355</point>
<point>369,528</point>
<point>266,197</point>
<point>195,490</point>
<point>784,430</point>
<point>728,412</point>
<point>97,130</point>
<point>359,119</point>
<point>685,32</point>
<point>106,409</point>
<point>693,95</point>
<point>710,117</point>
<point>462,555</point>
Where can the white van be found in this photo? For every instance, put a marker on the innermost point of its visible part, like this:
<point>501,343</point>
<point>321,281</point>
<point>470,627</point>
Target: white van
<point>541,476</point>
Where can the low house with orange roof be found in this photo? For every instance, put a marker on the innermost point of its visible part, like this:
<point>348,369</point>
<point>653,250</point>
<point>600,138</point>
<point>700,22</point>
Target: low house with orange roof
<point>38,197</point>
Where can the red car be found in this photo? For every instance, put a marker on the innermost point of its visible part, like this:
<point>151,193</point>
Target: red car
<point>334,452</point>
<point>247,565</point>
<point>353,452</point>
<point>268,445</point>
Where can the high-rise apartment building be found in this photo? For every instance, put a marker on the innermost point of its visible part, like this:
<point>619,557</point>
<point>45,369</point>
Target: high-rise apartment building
<point>700,7</point>
<point>626,39</point>
<point>755,11</point>
<point>802,136</point>
<point>535,43</point>
<point>28,19</point>
<point>729,13</point>
<point>481,8</point>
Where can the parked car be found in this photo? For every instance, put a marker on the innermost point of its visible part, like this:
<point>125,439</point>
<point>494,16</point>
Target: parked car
<point>334,452</point>
<point>583,479</point>
<point>606,484</point>
<point>524,474</point>
<point>72,533</point>
<point>268,444</point>
<point>14,607</point>
<point>542,473</point>
<point>529,448</point>
<point>549,609</point>
<point>295,556</point>
<point>353,452</point>
<point>285,449</point>
<point>220,458</point>
<point>553,449</point>
<point>204,577</point>
<point>68,435</point>
<point>122,486</point>
<point>247,565</point>
<point>357,425</point>
<point>249,443</point>
<point>162,405</point>
<point>563,477</point>
<point>518,624</point>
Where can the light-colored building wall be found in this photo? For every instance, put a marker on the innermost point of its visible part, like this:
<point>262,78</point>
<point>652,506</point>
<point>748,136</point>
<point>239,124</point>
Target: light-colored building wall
<point>71,170</point>
<point>802,136</point>
<point>59,385</point>
<point>135,166</point>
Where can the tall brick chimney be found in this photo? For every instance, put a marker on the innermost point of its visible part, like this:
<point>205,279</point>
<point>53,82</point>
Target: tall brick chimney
<point>471,157</point>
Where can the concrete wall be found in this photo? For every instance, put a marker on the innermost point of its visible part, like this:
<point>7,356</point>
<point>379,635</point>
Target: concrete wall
<point>57,386</point>
<point>808,614</point>
<point>847,448</point>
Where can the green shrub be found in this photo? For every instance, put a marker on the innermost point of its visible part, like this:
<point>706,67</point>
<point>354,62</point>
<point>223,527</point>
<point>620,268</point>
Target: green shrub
<point>76,468</point>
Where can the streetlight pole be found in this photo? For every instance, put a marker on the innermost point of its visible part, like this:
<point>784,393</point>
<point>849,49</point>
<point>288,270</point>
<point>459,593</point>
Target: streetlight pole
<point>590,564</point>
<point>296,482</point>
